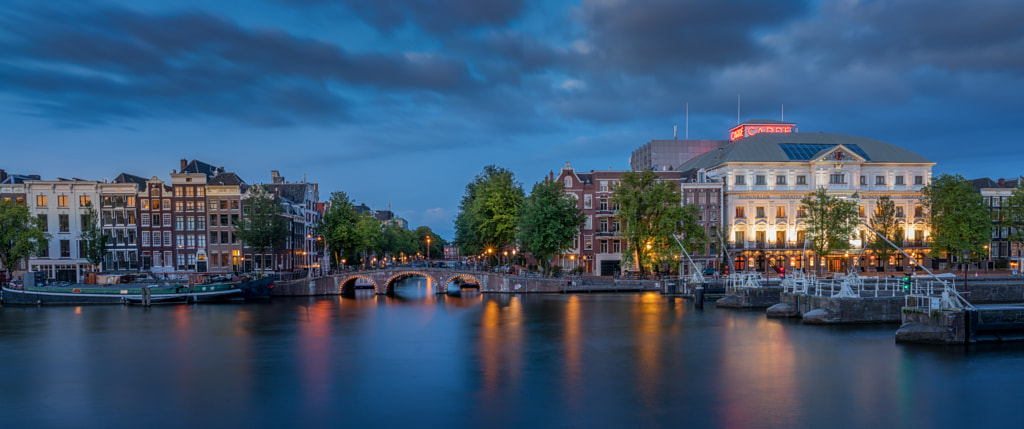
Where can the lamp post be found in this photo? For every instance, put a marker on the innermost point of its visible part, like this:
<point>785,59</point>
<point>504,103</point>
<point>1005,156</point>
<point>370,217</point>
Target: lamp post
<point>964,262</point>
<point>428,247</point>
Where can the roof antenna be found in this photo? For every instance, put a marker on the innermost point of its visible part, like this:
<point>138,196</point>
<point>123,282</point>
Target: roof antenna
<point>783,112</point>
<point>737,108</point>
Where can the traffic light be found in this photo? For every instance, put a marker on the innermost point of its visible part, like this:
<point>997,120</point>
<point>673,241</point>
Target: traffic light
<point>906,283</point>
<point>782,272</point>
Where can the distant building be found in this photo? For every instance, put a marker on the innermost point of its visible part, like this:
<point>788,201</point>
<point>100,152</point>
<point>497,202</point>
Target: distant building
<point>224,207</point>
<point>156,244</point>
<point>300,201</point>
<point>1000,249</point>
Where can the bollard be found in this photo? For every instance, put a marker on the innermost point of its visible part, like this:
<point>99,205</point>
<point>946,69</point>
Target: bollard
<point>698,294</point>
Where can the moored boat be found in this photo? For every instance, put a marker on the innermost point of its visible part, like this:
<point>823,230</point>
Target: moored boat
<point>78,295</point>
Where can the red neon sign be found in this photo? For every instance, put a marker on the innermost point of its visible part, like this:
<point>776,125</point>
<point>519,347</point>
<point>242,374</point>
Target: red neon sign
<point>747,130</point>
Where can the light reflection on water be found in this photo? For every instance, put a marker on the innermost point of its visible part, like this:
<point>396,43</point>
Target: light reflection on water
<point>466,359</point>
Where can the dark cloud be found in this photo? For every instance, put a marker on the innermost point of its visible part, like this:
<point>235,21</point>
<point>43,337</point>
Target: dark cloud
<point>117,62</point>
<point>958,35</point>
<point>433,16</point>
<point>670,36</point>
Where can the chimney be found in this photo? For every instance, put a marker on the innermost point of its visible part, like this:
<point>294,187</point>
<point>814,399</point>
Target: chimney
<point>276,177</point>
<point>1002,182</point>
<point>184,163</point>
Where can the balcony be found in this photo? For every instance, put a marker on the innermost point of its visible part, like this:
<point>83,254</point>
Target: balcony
<point>914,243</point>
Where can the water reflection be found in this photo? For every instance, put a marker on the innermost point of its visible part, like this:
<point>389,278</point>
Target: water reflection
<point>469,360</point>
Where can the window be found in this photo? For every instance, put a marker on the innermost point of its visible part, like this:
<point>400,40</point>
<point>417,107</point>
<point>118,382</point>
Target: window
<point>179,191</point>
<point>180,241</point>
<point>119,217</point>
<point>200,222</point>
<point>213,238</point>
<point>568,182</point>
<point>760,237</point>
<point>201,205</point>
<point>801,212</point>
<point>918,211</point>
<point>40,200</point>
<point>156,204</point>
<point>84,200</point>
<point>179,223</point>
<point>129,201</point>
<point>739,212</point>
<point>234,204</point>
<point>190,206</point>
<point>167,203</point>
<point>62,201</point>
<point>615,226</point>
<point>604,246</point>
<point>201,240</point>
<point>899,211</point>
<point>588,243</point>
<point>760,212</point>
<point>156,239</point>
<point>801,235</point>
<point>879,180</point>
<point>860,211</point>
<point>740,237</point>
<point>156,220</point>
<point>213,220</point>
<point>587,202</point>
<point>190,241</point>
<point>224,237</point>
<point>604,225</point>
<point>223,204</point>
<point>780,211</point>
<point>780,237</point>
<point>899,180</point>
<point>863,180</point>
<point>224,220</point>
<point>839,179</point>
<point>780,180</point>
<point>801,180</point>
<point>759,180</point>
<point>603,204</point>
<point>190,223</point>
<point>65,248</point>
<point>131,218</point>
<point>616,246</point>
<point>63,223</point>
<point>604,186</point>
<point>44,223</point>
<point>200,191</point>
<point>918,180</point>
<point>179,206</point>
<point>167,220</point>
<point>740,180</point>
<point>588,222</point>
<point>190,191</point>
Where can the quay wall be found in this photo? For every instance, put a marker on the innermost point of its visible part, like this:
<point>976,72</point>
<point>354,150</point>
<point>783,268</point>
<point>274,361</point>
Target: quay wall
<point>329,285</point>
<point>761,297</point>
<point>828,310</point>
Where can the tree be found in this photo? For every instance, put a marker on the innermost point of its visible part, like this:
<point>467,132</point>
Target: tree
<point>262,227</point>
<point>367,235</point>
<point>959,218</point>
<point>21,235</point>
<point>337,226</point>
<point>549,220</point>
<point>488,212</point>
<point>885,223</point>
<point>830,221</point>
<point>436,242</point>
<point>94,240</point>
<point>651,214</point>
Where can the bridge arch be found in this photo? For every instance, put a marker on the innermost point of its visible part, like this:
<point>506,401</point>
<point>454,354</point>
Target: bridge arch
<point>348,286</point>
<point>463,277</point>
<point>389,285</point>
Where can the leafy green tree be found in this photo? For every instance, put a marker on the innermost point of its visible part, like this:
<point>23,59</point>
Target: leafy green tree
<point>367,236</point>
<point>488,213</point>
<point>262,227</point>
<point>549,220</point>
<point>651,214</point>
<point>884,221</point>
<point>21,235</point>
<point>830,221</point>
<point>436,242</point>
<point>959,218</point>
<point>338,227</point>
<point>94,240</point>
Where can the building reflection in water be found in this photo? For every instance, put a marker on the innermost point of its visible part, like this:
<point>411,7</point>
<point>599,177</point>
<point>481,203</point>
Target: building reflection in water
<point>501,342</point>
<point>648,311</point>
<point>573,351</point>
<point>764,361</point>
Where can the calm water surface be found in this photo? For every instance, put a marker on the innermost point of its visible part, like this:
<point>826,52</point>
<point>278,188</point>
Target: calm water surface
<point>466,360</point>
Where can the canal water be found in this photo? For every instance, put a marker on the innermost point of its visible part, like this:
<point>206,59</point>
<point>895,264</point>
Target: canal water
<point>471,360</point>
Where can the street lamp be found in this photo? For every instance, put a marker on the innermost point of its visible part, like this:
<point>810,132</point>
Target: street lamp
<point>428,247</point>
<point>964,262</point>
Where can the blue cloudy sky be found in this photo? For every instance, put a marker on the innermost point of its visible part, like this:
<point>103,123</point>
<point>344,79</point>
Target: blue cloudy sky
<point>402,102</point>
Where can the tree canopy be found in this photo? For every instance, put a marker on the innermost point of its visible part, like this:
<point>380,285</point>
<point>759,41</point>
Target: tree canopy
<point>959,218</point>
<point>651,214</point>
<point>337,226</point>
<point>549,220</point>
<point>885,223</point>
<point>262,227</point>
<point>830,221</point>
<point>488,213</point>
<point>94,241</point>
<point>1012,213</point>
<point>21,234</point>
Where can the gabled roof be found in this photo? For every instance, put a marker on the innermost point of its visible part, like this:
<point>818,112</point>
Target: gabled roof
<point>779,147</point>
<point>200,167</point>
<point>226,179</point>
<point>295,192</point>
<point>139,182</point>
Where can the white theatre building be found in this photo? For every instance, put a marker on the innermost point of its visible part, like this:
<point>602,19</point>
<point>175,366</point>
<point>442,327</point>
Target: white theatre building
<point>765,175</point>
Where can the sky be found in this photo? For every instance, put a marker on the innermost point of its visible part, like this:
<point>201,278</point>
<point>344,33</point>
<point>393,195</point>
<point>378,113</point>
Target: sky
<point>400,103</point>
